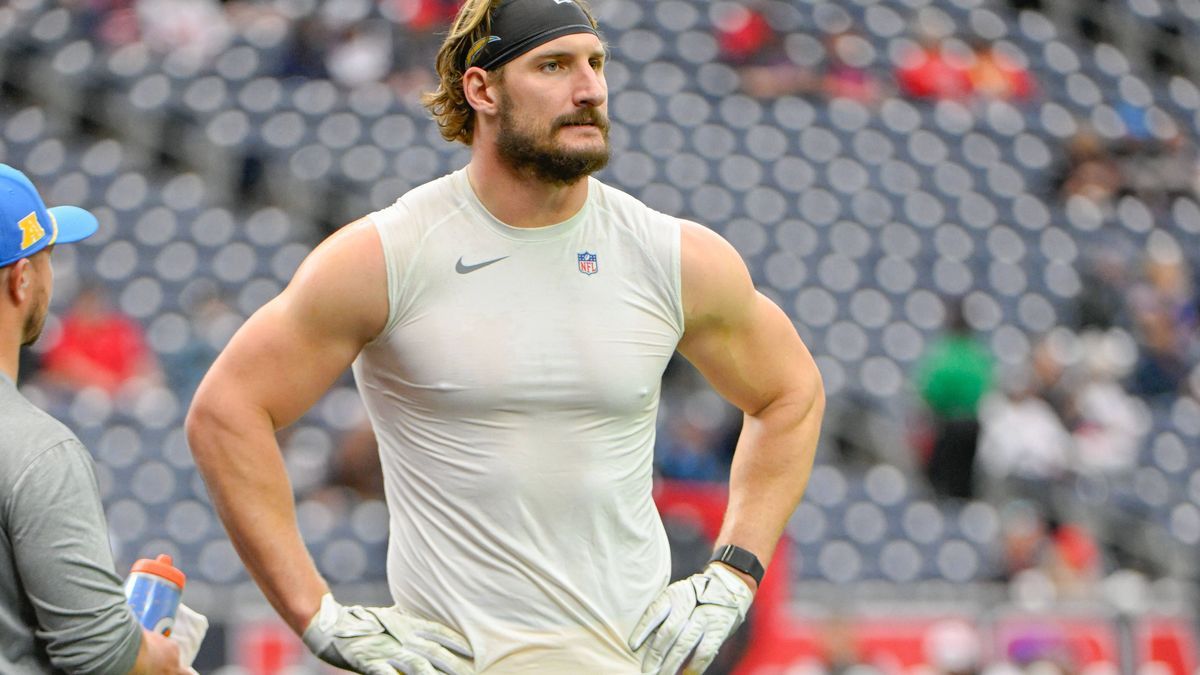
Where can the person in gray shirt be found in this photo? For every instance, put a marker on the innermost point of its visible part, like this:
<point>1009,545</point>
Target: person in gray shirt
<point>61,605</point>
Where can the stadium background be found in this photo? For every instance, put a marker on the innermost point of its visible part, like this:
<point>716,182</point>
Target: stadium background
<point>870,194</point>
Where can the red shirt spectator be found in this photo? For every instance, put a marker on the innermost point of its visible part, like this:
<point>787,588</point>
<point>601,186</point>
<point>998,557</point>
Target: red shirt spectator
<point>996,75</point>
<point>97,346</point>
<point>744,34</point>
<point>426,15</point>
<point>928,72</point>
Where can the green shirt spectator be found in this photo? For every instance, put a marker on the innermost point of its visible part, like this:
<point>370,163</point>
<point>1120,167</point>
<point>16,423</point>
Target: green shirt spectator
<point>954,376</point>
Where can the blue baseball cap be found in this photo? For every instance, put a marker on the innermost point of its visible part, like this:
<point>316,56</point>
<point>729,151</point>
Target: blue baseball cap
<point>27,226</point>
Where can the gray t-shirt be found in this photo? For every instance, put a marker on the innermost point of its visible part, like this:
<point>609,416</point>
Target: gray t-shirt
<point>61,604</point>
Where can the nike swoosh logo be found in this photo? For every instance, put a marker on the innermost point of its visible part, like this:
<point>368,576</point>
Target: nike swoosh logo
<point>467,269</point>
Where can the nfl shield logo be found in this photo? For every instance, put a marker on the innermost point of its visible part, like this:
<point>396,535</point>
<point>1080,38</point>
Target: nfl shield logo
<point>588,263</point>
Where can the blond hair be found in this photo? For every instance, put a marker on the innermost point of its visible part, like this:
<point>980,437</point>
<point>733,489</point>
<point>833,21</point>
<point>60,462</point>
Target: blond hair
<point>448,103</point>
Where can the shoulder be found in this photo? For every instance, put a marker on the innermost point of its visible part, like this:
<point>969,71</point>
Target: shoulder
<point>716,283</point>
<point>20,419</point>
<point>702,244</point>
<point>26,432</point>
<point>630,212</point>
<point>423,205</point>
<point>342,284</point>
<point>407,223</point>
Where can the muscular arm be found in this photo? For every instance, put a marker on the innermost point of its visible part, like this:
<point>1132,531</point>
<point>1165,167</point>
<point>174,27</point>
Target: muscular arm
<point>748,350</point>
<point>273,370</point>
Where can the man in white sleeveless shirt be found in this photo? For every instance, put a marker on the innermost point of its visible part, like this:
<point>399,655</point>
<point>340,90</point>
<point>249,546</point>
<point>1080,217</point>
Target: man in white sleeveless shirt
<point>508,326</point>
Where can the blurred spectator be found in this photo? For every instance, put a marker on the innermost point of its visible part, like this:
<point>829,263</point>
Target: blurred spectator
<point>1154,161</point>
<point>1167,286</point>
<point>355,44</point>
<point>1157,171</point>
<point>1022,538</point>
<point>1107,428</point>
<point>863,433</point>
<point>213,323</point>
<point>744,36</point>
<point>1051,378</point>
<point>1047,558</point>
<point>110,22</point>
<point>363,54</point>
<point>953,647</point>
<point>98,346</point>
<point>1076,563</point>
<point>1023,447</point>
<point>952,378</point>
<point>748,42</point>
<point>1100,303</point>
<point>427,16</point>
<point>355,463</point>
<point>685,451</point>
<point>933,69</point>
<point>845,72</point>
<point>1164,305</point>
<point>304,53</point>
<point>1089,169</point>
<point>198,27</point>
<point>1161,368</point>
<point>996,74</point>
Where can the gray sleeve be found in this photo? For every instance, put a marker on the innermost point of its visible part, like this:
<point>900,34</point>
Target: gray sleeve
<point>60,542</point>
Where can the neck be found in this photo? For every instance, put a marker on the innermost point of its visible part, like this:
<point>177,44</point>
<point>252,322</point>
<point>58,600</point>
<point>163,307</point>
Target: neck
<point>10,357</point>
<point>518,200</point>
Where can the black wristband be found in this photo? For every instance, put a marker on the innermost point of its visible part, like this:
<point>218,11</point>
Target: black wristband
<point>741,560</point>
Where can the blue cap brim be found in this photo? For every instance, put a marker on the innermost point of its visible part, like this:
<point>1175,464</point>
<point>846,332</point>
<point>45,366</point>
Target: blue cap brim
<point>74,224</point>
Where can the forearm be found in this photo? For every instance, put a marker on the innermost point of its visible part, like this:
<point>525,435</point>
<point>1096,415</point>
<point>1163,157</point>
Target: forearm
<point>237,453</point>
<point>770,471</point>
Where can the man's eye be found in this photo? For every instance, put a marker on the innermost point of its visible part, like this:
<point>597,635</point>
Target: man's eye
<point>550,67</point>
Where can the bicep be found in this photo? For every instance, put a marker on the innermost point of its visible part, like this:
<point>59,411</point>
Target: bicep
<point>742,342</point>
<point>754,361</point>
<point>278,364</point>
<point>291,350</point>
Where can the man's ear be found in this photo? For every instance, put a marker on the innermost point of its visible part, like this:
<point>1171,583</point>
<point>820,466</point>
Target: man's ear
<point>17,279</point>
<point>481,89</point>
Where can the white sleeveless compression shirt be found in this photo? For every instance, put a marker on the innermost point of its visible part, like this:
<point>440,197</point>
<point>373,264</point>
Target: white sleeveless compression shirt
<point>514,392</point>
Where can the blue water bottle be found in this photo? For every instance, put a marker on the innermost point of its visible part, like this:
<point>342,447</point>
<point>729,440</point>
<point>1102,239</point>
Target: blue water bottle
<point>153,590</point>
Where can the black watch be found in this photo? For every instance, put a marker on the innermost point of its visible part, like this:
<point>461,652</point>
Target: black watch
<point>741,560</point>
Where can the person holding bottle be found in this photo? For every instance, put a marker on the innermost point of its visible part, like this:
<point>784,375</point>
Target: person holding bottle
<point>62,609</point>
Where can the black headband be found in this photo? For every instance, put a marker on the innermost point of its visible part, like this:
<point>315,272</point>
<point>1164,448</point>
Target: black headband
<point>521,25</point>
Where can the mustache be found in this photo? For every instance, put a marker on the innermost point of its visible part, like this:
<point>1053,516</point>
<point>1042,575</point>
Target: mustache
<point>587,116</point>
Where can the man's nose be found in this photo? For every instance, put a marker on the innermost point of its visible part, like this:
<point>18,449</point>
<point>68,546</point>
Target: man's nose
<point>591,89</point>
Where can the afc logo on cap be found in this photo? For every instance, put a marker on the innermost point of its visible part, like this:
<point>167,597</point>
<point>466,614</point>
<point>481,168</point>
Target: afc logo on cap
<point>31,230</point>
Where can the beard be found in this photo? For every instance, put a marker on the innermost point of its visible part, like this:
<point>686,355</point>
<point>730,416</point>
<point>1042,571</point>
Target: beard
<point>34,323</point>
<point>536,154</point>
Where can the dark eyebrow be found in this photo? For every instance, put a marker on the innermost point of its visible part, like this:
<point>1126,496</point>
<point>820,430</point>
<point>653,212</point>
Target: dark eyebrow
<point>565,55</point>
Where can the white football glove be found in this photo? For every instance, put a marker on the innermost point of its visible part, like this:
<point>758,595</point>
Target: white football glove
<point>691,618</point>
<point>384,641</point>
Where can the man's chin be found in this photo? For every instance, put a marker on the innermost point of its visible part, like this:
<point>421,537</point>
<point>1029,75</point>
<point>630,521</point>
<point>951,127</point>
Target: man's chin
<point>586,144</point>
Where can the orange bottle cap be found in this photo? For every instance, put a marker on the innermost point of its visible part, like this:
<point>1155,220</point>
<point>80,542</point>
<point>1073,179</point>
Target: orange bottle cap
<point>162,567</point>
